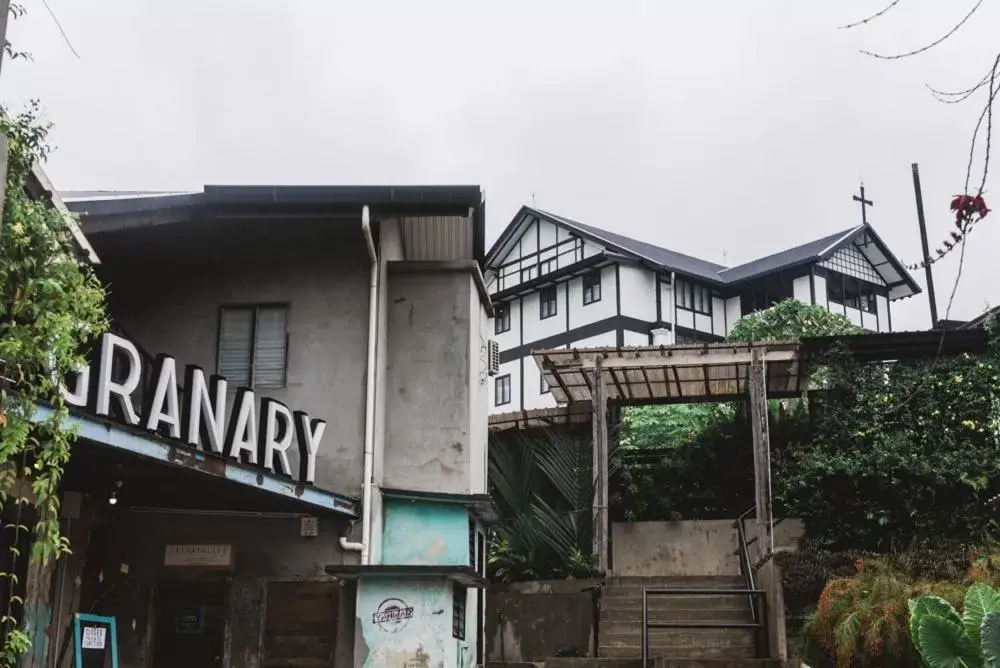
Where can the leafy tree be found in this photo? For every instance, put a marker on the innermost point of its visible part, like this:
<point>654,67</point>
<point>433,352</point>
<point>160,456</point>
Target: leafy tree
<point>791,320</point>
<point>51,307</point>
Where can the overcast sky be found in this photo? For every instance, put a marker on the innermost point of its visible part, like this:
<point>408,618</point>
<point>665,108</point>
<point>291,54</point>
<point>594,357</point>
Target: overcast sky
<point>725,129</point>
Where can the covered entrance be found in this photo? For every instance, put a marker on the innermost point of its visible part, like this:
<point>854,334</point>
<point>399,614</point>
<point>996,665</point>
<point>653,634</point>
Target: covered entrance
<point>201,561</point>
<point>190,623</point>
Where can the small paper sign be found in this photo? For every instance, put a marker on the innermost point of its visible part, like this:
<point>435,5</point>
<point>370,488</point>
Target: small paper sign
<point>94,637</point>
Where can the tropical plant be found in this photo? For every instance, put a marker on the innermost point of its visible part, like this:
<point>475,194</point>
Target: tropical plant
<point>542,485</point>
<point>947,639</point>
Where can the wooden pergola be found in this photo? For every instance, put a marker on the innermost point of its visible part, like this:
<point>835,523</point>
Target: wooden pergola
<point>582,379</point>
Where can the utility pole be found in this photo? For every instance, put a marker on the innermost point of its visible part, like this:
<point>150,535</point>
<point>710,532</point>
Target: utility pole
<point>923,243</point>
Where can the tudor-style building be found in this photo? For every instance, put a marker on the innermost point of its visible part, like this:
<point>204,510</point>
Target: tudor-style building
<point>556,282</point>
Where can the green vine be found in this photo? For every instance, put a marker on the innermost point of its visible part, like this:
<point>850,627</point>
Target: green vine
<point>51,308</point>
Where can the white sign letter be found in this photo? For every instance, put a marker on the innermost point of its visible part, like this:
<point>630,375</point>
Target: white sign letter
<point>308,433</point>
<point>241,439</point>
<point>205,406</point>
<point>164,406</point>
<point>78,397</point>
<point>107,387</point>
<point>276,431</point>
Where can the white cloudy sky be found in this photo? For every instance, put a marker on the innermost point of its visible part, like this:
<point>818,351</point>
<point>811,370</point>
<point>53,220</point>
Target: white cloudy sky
<point>724,129</point>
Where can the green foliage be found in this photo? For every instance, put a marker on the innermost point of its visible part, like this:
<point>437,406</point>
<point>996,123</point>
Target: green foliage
<point>902,455</point>
<point>542,485</point>
<point>945,638</point>
<point>695,461</point>
<point>51,307</point>
<point>791,320</point>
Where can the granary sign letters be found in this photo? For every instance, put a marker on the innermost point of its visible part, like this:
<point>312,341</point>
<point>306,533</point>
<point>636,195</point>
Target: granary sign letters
<point>260,436</point>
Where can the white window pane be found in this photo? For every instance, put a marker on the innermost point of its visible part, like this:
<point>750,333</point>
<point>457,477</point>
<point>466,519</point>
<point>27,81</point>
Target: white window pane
<point>235,344</point>
<point>270,347</point>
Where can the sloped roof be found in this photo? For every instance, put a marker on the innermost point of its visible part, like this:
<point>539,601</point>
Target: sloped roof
<point>817,250</point>
<point>807,252</point>
<point>661,256</point>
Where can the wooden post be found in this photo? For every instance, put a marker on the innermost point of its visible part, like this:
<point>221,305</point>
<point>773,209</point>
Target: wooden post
<point>600,441</point>
<point>761,454</point>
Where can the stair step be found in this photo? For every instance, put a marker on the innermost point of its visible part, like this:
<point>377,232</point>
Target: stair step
<point>611,591</point>
<point>718,663</point>
<point>592,662</point>
<point>682,635</point>
<point>633,617</point>
<point>673,579</point>
<point>688,653</point>
<point>675,602</point>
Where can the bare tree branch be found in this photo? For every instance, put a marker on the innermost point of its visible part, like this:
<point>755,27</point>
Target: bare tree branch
<point>987,115</point>
<point>870,18</point>
<point>927,47</point>
<point>959,95</point>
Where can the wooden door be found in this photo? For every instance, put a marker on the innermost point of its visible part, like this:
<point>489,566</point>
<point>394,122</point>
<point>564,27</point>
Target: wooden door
<point>300,627</point>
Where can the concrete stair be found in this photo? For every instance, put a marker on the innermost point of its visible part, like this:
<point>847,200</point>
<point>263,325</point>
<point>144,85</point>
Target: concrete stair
<point>620,630</point>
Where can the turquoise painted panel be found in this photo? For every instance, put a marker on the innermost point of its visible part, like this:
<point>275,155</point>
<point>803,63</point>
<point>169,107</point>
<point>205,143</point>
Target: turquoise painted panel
<point>408,623</point>
<point>425,533</point>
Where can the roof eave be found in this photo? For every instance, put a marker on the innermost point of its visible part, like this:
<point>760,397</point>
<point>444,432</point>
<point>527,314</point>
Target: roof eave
<point>45,190</point>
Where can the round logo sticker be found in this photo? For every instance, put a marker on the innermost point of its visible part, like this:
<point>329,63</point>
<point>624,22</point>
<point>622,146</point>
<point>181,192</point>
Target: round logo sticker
<point>392,615</point>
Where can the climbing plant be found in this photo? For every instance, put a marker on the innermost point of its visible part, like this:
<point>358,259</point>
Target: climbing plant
<point>51,308</point>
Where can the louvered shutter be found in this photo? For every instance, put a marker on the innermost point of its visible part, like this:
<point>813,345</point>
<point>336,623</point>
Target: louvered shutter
<point>270,347</point>
<point>235,345</point>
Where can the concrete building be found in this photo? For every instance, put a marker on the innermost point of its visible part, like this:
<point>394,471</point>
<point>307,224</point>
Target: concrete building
<point>556,282</point>
<point>282,454</point>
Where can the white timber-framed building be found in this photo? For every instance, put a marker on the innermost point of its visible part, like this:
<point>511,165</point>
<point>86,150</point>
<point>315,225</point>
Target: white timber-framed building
<point>555,282</point>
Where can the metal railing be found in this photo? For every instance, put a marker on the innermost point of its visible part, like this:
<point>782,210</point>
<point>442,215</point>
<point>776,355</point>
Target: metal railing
<point>746,565</point>
<point>756,597</point>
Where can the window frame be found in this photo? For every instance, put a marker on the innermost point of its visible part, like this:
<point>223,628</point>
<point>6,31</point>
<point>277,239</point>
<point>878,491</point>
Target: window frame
<point>502,323</point>
<point>542,301</point>
<point>543,387</point>
<point>688,294</point>
<point>496,390</point>
<point>591,276</point>
<point>459,609</point>
<point>255,308</point>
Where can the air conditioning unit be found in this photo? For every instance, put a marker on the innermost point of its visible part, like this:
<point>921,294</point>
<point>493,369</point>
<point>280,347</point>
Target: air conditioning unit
<point>493,357</point>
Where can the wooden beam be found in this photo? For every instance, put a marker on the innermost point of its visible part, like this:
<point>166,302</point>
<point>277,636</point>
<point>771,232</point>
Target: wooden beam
<point>761,455</point>
<point>600,467</point>
<point>681,359</point>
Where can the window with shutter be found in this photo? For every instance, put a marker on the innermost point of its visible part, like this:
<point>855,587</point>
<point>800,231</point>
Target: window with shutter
<point>253,346</point>
<point>269,347</point>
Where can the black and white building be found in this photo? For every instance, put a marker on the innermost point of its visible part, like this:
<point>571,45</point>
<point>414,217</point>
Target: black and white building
<point>555,282</point>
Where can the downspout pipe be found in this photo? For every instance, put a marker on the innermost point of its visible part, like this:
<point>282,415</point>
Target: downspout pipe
<point>364,546</point>
<point>673,307</point>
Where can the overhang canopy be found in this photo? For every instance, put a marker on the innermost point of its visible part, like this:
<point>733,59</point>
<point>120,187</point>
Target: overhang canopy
<point>672,374</point>
<point>157,470</point>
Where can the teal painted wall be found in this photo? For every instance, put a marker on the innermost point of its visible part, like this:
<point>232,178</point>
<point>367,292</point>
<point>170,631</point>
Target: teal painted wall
<point>424,639</point>
<point>425,533</point>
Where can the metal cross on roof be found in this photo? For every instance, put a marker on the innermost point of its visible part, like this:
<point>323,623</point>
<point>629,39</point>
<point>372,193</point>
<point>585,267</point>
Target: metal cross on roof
<point>865,203</point>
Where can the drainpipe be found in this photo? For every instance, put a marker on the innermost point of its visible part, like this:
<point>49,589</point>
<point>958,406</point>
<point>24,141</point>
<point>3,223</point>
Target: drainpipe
<point>364,546</point>
<point>673,307</point>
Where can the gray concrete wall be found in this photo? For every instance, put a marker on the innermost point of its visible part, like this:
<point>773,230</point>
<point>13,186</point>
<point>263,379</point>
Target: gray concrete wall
<point>696,547</point>
<point>531,621</point>
<point>167,284</point>
<point>427,442</point>
<point>264,549</point>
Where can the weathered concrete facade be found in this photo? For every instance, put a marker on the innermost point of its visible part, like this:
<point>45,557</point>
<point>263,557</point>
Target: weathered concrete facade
<point>383,340</point>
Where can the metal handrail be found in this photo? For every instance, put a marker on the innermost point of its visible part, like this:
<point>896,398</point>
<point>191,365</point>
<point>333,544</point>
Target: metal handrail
<point>646,624</point>
<point>746,567</point>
